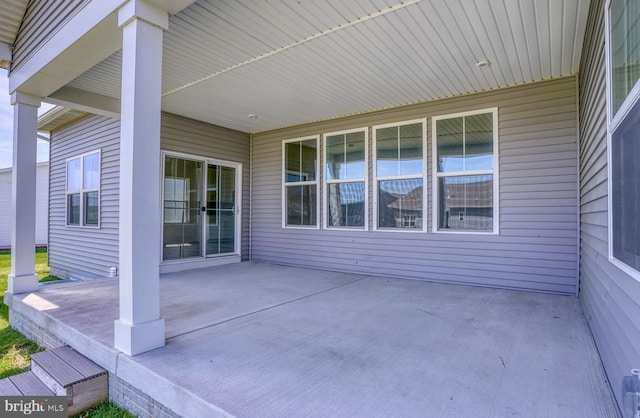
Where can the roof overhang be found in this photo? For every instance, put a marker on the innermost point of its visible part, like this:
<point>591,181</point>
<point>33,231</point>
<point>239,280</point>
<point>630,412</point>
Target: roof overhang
<point>58,117</point>
<point>294,63</point>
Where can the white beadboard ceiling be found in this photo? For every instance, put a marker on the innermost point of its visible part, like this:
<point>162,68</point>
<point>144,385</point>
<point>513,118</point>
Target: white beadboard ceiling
<point>292,62</point>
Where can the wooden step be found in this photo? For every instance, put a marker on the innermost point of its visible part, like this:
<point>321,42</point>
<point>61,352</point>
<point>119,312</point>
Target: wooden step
<point>67,373</point>
<point>24,384</point>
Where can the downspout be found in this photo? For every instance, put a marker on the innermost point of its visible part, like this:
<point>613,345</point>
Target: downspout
<point>250,197</point>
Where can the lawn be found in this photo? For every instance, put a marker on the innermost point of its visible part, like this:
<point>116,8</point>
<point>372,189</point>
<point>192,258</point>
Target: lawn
<point>16,350</point>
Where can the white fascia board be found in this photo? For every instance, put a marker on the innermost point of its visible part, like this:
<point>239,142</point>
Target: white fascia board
<point>86,101</point>
<point>88,38</point>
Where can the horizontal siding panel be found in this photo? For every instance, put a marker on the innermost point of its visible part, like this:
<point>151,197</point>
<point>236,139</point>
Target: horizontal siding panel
<point>537,187</point>
<point>518,151</point>
<point>565,202</point>
<point>610,298</point>
<point>557,137</point>
<point>554,172</point>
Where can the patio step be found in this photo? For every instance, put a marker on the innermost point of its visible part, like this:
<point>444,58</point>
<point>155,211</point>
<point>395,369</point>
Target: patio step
<point>61,372</point>
<point>24,384</point>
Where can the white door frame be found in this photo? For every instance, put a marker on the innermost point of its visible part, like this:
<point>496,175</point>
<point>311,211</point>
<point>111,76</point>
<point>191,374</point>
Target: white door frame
<point>204,260</point>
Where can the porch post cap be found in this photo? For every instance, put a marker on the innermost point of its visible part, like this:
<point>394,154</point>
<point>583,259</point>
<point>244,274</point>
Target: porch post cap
<point>140,9</point>
<point>25,98</point>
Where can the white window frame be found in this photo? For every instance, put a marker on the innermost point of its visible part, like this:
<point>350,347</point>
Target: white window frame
<point>326,182</point>
<point>82,190</point>
<point>315,182</point>
<point>495,172</point>
<point>376,179</point>
<point>613,123</point>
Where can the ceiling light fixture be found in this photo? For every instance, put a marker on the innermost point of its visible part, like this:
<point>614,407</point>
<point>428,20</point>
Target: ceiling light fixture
<point>483,63</point>
<point>252,116</point>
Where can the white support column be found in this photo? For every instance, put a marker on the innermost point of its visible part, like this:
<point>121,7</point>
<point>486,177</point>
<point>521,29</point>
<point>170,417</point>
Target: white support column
<point>23,229</point>
<point>140,327</point>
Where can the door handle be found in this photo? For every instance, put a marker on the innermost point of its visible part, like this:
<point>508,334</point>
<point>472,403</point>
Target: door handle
<point>204,208</point>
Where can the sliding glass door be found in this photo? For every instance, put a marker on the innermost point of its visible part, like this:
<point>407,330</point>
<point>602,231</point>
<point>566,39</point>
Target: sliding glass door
<point>200,210</point>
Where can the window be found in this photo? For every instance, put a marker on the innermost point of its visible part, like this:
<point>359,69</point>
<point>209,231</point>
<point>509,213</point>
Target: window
<point>623,68</point>
<point>399,154</point>
<point>624,50</point>
<point>465,171</point>
<point>345,176</point>
<point>176,200</point>
<point>300,182</point>
<point>83,190</point>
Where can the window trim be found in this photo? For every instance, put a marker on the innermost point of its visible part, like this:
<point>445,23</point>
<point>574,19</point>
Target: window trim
<point>315,182</point>
<point>495,172</point>
<point>82,191</point>
<point>326,182</point>
<point>615,121</point>
<point>376,179</point>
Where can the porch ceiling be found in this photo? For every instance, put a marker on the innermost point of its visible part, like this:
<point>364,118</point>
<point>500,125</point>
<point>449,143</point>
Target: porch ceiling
<point>11,13</point>
<point>293,62</point>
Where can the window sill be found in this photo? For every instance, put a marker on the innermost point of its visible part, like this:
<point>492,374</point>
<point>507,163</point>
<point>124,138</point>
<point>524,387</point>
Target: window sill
<point>628,270</point>
<point>402,230</point>
<point>83,226</point>
<point>457,232</point>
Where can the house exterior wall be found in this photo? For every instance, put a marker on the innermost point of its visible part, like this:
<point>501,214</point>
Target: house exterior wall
<point>42,206</point>
<point>42,20</point>
<point>536,248</point>
<point>86,252</point>
<point>610,298</point>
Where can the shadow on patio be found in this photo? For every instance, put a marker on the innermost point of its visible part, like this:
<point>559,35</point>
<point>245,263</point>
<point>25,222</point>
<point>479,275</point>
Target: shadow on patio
<point>255,339</point>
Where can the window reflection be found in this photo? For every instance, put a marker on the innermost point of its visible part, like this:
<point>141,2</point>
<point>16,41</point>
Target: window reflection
<point>400,204</point>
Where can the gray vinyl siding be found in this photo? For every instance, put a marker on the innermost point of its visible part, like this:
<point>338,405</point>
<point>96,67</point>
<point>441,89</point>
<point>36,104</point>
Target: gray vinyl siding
<point>536,248</point>
<point>85,252</point>
<point>610,298</point>
<point>42,20</point>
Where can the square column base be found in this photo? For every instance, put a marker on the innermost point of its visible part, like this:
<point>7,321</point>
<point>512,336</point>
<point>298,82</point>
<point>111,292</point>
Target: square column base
<point>136,339</point>
<point>22,284</point>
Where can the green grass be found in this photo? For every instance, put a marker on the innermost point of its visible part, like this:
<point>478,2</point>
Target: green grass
<point>105,410</point>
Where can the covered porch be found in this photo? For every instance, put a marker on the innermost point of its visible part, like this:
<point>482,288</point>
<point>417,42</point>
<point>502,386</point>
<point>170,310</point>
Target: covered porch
<point>255,339</point>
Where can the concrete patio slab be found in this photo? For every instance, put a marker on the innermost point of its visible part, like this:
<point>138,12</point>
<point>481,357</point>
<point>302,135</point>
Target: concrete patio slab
<point>256,339</point>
